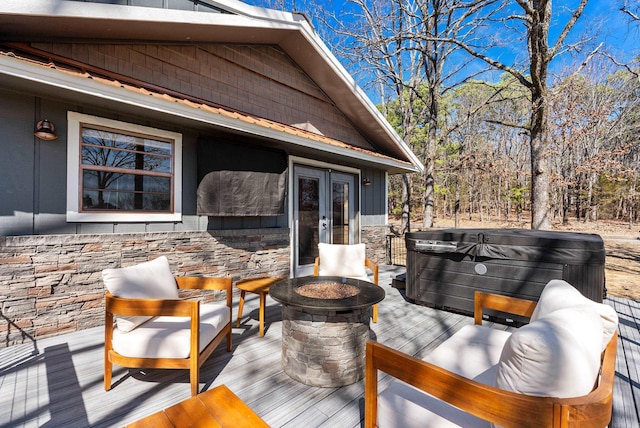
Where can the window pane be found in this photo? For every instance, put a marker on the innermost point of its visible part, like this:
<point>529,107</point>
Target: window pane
<point>119,201</point>
<point>105,190</point>
<point>308,219</point>
<point>340,212</point>
<point>110,149</point>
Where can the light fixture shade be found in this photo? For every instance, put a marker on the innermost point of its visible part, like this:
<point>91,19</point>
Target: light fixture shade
<point>366,182</point>
<point>45,130</point>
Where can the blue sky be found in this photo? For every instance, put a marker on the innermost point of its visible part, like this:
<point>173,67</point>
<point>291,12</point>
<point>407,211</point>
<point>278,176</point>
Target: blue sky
<point>602,20</point>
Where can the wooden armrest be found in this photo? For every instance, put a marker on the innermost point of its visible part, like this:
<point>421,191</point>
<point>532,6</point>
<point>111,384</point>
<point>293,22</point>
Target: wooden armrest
<point>207,283</point>
<point>150,307</point>
<point>316,266</point>
<point>204,283</point>
<point>486,402</point>
<point>511,305</point>
<point>373,266</point>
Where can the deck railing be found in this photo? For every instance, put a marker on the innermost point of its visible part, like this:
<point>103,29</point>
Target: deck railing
<point>396,250</point>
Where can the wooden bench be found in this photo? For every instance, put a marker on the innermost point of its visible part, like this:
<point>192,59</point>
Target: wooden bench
<point>440,391</point>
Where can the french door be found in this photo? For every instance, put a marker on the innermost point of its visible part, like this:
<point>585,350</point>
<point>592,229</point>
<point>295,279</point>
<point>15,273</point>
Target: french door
<point>324,211</point>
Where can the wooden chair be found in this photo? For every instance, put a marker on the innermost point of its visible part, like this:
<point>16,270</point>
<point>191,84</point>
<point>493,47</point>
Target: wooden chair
<point>486,402</point>
<point>348,261</point>
<point>172,331</point>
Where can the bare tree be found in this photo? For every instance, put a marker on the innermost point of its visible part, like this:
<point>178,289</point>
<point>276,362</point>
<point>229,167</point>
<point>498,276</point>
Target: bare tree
<point>396,43</point>
<point>536,17</point>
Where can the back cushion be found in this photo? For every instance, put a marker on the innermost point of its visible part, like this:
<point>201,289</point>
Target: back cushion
<point>342,260</point>
<point>148,280</point>
<point>559,294</point>
<point>557,355</point>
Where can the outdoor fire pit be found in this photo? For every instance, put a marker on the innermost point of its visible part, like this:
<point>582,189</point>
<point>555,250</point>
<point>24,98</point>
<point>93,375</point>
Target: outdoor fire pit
<point>325,327</point>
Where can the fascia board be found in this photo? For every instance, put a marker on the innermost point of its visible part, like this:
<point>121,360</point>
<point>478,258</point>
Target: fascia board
<point>73,83</point>
<point>339,71</point>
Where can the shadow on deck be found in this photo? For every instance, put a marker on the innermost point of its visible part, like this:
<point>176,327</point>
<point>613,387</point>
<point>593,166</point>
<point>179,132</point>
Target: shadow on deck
<point>57,382</point>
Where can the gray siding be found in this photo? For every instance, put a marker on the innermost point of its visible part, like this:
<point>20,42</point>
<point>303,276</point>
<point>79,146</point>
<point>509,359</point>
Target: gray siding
<point>373,204</point>
<point>255,79</point>
<point>34,175</point>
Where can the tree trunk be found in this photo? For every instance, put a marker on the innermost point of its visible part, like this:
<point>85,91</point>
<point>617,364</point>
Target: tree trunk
<point>457,206</point>
<point>430,152</point>
<point>539,55</point>
<point>405,220</point>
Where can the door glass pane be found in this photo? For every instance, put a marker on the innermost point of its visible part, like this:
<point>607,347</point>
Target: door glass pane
<point>308,219</point>
<point>340,212</point>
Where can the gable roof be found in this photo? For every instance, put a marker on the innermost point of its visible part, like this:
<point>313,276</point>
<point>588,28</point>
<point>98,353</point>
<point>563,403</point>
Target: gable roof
<point>60,20</point>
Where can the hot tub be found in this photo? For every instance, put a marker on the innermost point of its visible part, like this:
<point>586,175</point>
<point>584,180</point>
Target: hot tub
<point>445,267</point>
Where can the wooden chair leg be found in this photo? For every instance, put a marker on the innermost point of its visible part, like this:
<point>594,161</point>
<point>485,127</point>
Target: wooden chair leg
<point>263,302</point>
<point>194,376</point>
<point>108,370</point>
<point>240,307</point>
<point>374,317</point>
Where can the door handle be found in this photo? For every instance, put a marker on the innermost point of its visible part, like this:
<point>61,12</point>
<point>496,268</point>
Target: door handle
<point>324,222</point>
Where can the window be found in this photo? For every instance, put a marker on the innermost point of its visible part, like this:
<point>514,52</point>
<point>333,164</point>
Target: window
<point>120,172</point>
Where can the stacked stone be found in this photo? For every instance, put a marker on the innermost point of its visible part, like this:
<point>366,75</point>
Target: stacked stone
<point>324,348</point>
<point>52,284</point>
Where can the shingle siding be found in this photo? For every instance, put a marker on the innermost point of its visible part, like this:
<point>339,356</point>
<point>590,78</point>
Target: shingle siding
<point>256,79</point>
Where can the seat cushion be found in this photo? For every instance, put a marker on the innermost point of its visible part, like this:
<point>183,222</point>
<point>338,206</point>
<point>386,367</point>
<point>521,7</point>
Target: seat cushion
<point>557,355</point>
<point>402,406</point>
<point>148,280</point>
<point>342,260</point>
<point>559,294</point>
<point>169,337</point>
<point>472,352</point>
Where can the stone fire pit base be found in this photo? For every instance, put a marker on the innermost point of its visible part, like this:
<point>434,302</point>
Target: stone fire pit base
<point>324,348</point>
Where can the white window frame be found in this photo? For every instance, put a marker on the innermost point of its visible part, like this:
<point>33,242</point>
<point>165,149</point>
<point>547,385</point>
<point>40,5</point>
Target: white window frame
<point>75,121</point>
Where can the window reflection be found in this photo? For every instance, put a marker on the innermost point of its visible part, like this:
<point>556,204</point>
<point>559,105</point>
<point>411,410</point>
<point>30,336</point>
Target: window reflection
<point>123,172</point>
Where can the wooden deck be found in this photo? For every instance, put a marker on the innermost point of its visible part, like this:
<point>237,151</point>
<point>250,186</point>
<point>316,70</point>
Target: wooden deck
<point>57,382</point>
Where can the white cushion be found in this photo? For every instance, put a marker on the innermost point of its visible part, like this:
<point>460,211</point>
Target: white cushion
<point>148,280</point>
<point>559,294</point>
<point>557,355</point>
<point>472,352</point>
<point>169,337</point>
<point>403,406</point>
<point>342,260</point>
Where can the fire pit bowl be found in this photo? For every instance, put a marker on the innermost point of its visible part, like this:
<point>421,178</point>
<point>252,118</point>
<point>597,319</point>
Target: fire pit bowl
<point>325,327</point>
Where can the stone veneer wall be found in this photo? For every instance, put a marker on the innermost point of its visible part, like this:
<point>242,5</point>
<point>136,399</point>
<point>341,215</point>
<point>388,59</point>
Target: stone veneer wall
<point>375,238</point>
<point>52,284</point>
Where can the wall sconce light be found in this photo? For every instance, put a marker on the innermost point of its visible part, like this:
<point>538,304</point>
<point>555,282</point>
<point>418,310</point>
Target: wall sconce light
<point>45,130</point>
<point>366,182</point>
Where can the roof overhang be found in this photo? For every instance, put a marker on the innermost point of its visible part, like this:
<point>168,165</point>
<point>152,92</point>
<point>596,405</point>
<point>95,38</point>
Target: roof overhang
<point>30,77</point>
<point>51,20</point>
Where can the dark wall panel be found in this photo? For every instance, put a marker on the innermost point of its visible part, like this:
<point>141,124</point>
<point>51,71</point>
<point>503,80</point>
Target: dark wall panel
<point>17,152</point>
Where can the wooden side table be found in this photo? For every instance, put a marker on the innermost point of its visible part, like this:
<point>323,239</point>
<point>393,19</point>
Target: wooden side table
<point>218,407</point>
<point>259,286</point>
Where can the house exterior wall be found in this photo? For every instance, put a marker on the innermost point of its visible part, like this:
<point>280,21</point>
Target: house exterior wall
<point>255,79</point>
<point>50,270</point>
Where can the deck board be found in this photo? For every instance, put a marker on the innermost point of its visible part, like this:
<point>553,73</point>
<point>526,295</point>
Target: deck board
<point>57,382</point>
